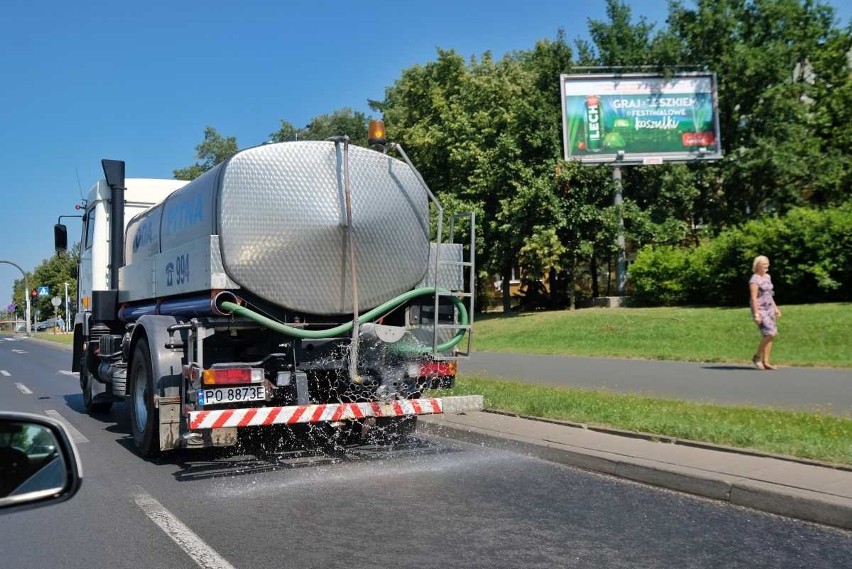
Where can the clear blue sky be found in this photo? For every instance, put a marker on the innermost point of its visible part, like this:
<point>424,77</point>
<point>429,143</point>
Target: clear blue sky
<point>139,81</point>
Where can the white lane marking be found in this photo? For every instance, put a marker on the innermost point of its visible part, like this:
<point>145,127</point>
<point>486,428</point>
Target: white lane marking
<point>76,435</point>
<point>4,372</point>
<point>20,351</point>
<point>67,372</point>
<point>23,389</point>
<point>197,549</point>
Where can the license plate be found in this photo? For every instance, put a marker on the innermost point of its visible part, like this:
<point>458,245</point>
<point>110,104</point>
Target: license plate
<point>222,395</point>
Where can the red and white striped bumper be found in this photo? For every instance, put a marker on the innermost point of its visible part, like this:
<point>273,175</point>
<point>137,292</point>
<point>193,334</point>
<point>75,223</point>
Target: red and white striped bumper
<point>261,416</point>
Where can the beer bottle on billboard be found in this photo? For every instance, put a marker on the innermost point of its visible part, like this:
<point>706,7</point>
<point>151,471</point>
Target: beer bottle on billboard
<point>594,129</point>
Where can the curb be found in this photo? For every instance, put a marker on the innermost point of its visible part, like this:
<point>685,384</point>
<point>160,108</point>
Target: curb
<point>772,498</point>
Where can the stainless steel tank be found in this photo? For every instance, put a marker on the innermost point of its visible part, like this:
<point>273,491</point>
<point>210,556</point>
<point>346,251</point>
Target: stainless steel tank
<point>279,212</point>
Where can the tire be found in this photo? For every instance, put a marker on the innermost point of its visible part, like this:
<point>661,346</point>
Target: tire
<point>144,418</point>
<point>92,407</point>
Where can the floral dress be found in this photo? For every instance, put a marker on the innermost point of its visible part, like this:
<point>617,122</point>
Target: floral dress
<point>765,304</point>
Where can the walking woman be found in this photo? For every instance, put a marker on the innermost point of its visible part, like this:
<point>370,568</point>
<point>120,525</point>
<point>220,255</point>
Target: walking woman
<point>763,310</point>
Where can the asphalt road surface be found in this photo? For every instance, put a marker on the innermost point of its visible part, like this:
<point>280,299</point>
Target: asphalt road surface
<point>435,503</point>
<point>813,389</point>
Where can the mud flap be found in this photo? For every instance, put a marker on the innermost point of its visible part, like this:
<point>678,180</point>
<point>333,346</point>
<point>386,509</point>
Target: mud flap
<point>169,422</point>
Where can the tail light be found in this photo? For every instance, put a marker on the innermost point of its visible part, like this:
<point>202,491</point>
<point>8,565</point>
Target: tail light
<point>231,375</point>
<point>435,369</point>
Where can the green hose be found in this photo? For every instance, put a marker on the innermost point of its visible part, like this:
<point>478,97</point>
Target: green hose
<point>366,317</point>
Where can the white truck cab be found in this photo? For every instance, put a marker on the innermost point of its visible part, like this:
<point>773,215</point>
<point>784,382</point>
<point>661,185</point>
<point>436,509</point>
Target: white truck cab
<point>140,194</point>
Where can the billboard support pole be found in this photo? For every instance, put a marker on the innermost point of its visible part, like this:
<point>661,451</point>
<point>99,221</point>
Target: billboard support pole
<point>621,259</point>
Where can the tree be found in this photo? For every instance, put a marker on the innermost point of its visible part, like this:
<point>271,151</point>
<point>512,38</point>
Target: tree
<point>784,94</point>
<point>489,133</point>
<point>618,43</point>
<point>53,273</point>
<point>212,150</point>
<point>339,122</point>
<point>486,133</point>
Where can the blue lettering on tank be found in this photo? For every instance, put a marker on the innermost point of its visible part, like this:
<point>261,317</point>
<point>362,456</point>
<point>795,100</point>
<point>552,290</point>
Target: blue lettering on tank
<point>184,214</point>
<point>144,236</point>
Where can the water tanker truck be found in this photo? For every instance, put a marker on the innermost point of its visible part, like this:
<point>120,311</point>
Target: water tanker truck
<point>306,286</point>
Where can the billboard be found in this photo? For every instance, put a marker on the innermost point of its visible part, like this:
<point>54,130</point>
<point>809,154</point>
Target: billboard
<point>640,118</point>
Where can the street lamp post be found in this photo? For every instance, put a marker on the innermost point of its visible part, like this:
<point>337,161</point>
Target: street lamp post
<point>26,292</point>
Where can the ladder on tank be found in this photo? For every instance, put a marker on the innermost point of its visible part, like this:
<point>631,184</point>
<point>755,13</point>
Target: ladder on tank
<point>459,261</point>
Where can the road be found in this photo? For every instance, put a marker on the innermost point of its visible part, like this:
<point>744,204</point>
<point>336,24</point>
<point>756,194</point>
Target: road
<point>812,389</point>
<point>439,503</point>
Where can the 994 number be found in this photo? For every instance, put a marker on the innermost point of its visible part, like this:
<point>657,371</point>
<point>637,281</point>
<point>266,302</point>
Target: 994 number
<point>182,269</point>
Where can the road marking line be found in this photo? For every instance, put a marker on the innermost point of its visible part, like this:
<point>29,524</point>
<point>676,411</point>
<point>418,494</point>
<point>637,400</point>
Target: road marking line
<point>67,372</point>
<point>4,372</point>
<point>23,389</point>
<point>20,351</point>
<point>76,435</point>
<point>185,538</point>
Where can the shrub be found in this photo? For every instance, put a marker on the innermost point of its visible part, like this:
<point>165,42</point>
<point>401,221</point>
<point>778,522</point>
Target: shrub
<point>658,275</point>
<point>810,251</point>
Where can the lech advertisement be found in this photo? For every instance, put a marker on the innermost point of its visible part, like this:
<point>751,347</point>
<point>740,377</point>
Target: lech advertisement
<point>640,118</point>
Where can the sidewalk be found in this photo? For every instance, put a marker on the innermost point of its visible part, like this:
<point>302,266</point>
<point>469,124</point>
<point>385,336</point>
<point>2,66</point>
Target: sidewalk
<point>797,489</point>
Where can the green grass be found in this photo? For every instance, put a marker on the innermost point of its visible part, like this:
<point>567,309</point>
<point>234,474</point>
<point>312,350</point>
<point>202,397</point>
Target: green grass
<point>58,338</point>
<point>809,335</point>
<point>814,436</point>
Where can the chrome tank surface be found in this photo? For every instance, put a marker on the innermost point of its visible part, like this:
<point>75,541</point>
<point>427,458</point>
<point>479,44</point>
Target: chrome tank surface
<point>280,213</point>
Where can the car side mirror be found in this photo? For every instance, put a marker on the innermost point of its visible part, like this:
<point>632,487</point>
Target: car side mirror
<point>39,465</point>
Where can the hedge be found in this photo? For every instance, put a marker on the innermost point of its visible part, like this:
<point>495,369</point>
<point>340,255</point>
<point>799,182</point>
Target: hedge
<point>810,252</point>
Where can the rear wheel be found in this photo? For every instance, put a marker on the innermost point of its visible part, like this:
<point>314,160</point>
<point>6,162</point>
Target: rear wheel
<point>143,415</point>
<point>87,385</point>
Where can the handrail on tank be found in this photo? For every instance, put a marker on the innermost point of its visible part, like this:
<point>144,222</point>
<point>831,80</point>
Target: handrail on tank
<point>353,358</point>
<point>439,235</point>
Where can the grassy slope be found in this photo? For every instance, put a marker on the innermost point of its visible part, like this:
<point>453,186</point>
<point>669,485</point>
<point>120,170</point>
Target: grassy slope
<point>809,335</point>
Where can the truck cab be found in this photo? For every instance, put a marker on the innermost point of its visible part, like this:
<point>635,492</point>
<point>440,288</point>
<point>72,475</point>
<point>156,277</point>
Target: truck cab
<point>140,195</point>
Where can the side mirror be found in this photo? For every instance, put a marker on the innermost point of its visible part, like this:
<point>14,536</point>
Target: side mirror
<point>39,464</point>
<point>60,237</point>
